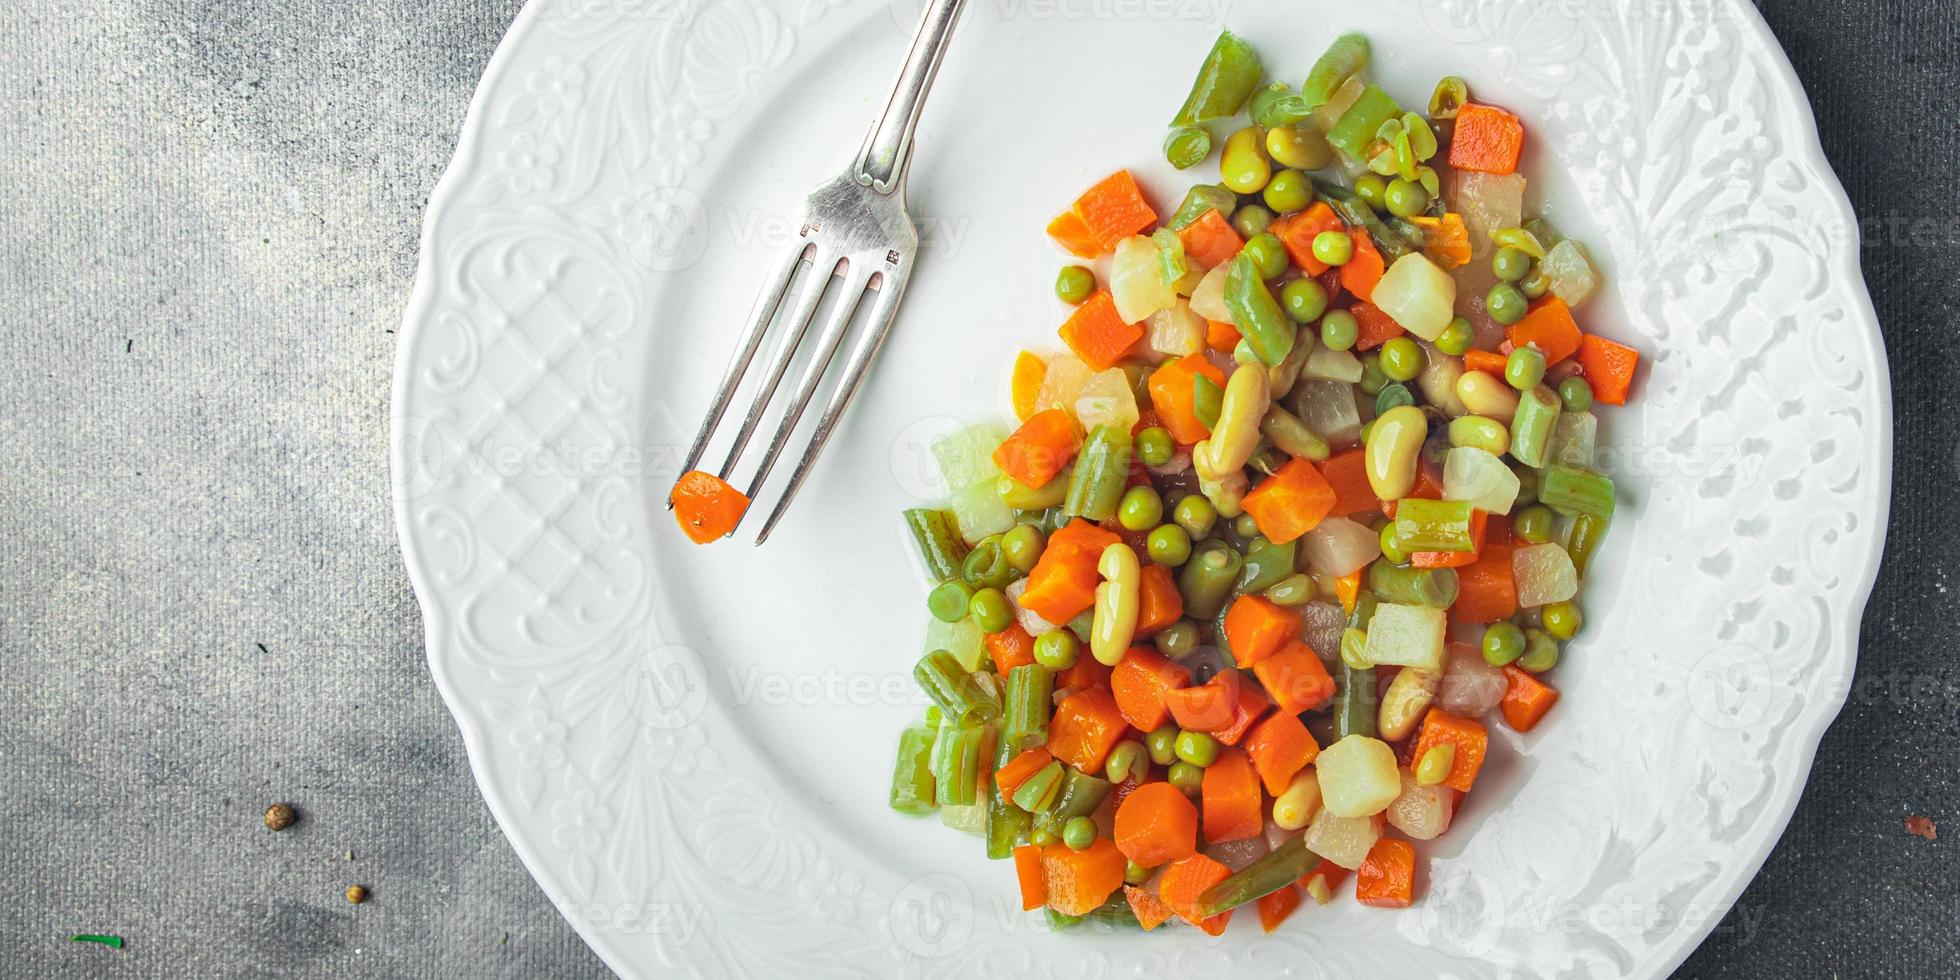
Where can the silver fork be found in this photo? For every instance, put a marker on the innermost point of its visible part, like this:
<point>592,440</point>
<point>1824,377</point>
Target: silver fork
<point>855,232</point>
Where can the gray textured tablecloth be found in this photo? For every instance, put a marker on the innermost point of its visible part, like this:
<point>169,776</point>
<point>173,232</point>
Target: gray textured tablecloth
<point>207,235</point>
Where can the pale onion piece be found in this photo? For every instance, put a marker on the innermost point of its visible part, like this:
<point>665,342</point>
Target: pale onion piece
<point>1475,475</point>
<point>1421,812</point>
<point>1327,364</point>
<point>1544,574</point>
<point>1471,686</point>
<point>1175,331</point>
<point>1328,407</point>
<point>1136,280</point>
<point>1063,383</point>
<point>1208,300</point>
<point>1236,854</point>
<point>1345,841</point>
<point>1407,636</point>
<point>1028,618</point>
<point>1487,202</point>
<point>1417,295</point>
<point>1107,399</point>
<point>1438,381</point>
<point>1575,440</point>
<point>1358,777</point>
<point>1321,623</point>
<point>1338,546</point>
<point>1571,272</point>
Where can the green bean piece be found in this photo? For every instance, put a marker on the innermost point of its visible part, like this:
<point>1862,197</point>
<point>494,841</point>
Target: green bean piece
<point>1056,649</point>
<point>1256,313</point>
<point>1354,703</point>
<point>1434,525</point>
<point>1531,427</point>
<point>1527,486</point>
<point>1449,98</point>
<point>1020,496</point>
<point>1140,509</point>
<point>1339,330</point>
<point>1198,200</point>
<point>1587,532</point>
<point>1455,340</point>
<point>1394,241</point>
<point>986,566</point>
<point>1292,436</point>
<point>1356,129</point>
<point>1080,795</point>
<point>1296,589</point>
<point>1280,867</point>
<point>1274,105</point>
<point>1225,81</point>
<point>1023,545</point>
<point>1561,619</point>
<point>1502,644</point>
<point>1079,833</point>
<point>1207,398</point>
<point>933,717</point>
<point>1364,610</point>
<point>958,693</point>
<point>1510,264</point>
<point>1187,146</point>
<point>1506,304</point>
<point>1038,793</point>
<point>1344,59</point>
<point>1197,748</point>
<point>912,784</point>
<point>1573,491</point>
<point>1252,220</point>
<point>1533,524</point>
<point>1432,587</point>
<point>1207,580</point>
<point>1177,639</point>
<point>949,601</point>
<point>1195,514</point>
<point>1540,652</point>
<point>1074,284</point>
<point>1575,394</point>
<point>1154,446</point>
<point>1007,827</point>
<point>1101,470</point>
<point>939,544</point>
<point>1029,690</point>
<point>1169,545</point>
<point>1161,743</point>
<point>956,755</point>
<point>1267,564</point>
<point>1287,192</point>
<point>1525,368</point>
<point>1081,624</point>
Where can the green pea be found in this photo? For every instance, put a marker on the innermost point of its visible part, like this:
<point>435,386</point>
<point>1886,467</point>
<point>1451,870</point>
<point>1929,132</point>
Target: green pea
<point>1503,643</point>
<point>1079,833</point>
<point>1404,198</point>
<point>1137,874</point>
<point>1540,652</point>
<point>1186,777</point>
<point>1334,247</point>
<point>1527,487</point>
<point>1575,394</point>
<point>1339,330</point>
<point>1168,544</point>
<point>1533,524</point>
<point>1197,748</point>
<point>948,601</point>
<point>1023,547</point>
<point>1251,220</point>
<point>1294,590</point>
<point>1305,300</point>
<point>1373,379</point>
<point>1392,546</point>
<point>1510,264</point>
<point>1525,368</point>
<point>1456,338</point>
<point>1373,189</point>
<point>1288,191</point>
<point>1268,255</point>
<point>1245,526</point>
<point>1505,304</point>
<point>1042,838</point>
<point>1074,284</point>
<point>1195,514</point>
<point>1561,619</point>
<point>1536,284</point>
<point>1161,743</point>
<point>991,611</point>
<point>1402,359</point>
<point>1301,147</point>
<point>1056,649</point>
<point>1154,446</point>
<point>1177,639</point>
<point>1140,509</point>
<point>1242,165</point>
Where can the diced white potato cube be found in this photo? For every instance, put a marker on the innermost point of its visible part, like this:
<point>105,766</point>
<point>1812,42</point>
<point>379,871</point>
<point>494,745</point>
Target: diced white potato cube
<point>966,457</point>
<point>979,512</point>
<point>1345,841</point>
<point>1357,776</point>
<point>1421,812</point>
<point>1571,272</point>
<point>966,819</point>
<point>1107,399</point>
<point>1208,300</point>
<point>1327,364</point>
<point>1328,407</point>
<point>1544,574</point>
<point>1487,202</point>
<point>1475,475</point>
<point>1175,331</point>
<point>1063,383</point>
<point>1136,280</point>
<point>1417,294</point>
<point>1406,636</point>
<point>961,639</point>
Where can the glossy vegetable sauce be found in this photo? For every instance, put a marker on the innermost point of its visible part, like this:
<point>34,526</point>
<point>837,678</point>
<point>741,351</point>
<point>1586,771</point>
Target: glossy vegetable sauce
<point>1302,507</point>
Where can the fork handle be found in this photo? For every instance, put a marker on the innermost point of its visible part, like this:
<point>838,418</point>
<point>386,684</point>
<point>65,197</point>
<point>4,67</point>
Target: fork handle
<point>887,148</point>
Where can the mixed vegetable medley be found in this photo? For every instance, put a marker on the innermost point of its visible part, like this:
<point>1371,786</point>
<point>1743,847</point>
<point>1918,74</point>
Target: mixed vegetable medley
<point>1303,507</point>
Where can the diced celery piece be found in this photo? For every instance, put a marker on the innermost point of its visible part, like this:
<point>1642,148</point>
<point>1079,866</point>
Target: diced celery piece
<point>1407,636</point>
<point>1338,546</point>
<point>1345,841</point>
<point>961,639</point>
<point>1544,574</point>
<point>1574,440</point>
<point>1107,400</point>
<point>1328,407</point>
<point>966,457</point>
<point>1063,384</point>
<point>1475,475</point>
<point>970,819</point>
<point>1328,364</point>
<point>1571,272</point>
<point>1487,202</point>
<point>912,784</point>
<point>1418,295</point>
<point>979,511</point>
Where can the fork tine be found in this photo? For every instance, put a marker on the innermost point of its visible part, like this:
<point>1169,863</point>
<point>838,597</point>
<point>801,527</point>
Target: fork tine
<point>891,289</point>
<point>832,338</point>
<point>823,269</point>
<point>766,304</point>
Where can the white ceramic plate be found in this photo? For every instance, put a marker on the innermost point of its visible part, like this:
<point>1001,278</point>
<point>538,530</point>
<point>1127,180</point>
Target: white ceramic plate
<point>690,747</point>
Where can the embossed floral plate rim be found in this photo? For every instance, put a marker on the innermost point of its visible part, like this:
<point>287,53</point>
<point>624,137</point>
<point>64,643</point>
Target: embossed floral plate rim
<point>518,728</point>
